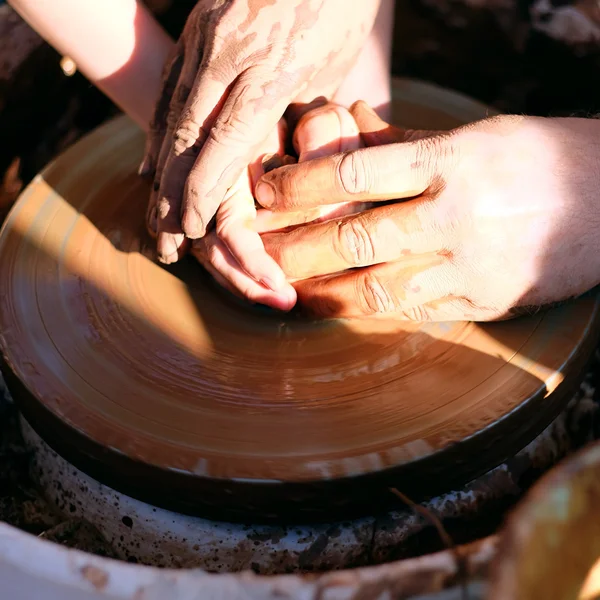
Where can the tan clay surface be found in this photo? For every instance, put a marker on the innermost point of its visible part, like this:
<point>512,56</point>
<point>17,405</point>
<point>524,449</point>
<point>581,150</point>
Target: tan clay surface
<point>157,365</point>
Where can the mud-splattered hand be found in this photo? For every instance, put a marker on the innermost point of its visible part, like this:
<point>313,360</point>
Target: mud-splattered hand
<point>322,131</point>
<point>500,218</point>
<point>237,67</point>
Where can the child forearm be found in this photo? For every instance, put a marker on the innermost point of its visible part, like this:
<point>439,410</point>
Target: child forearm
<point>370,78</point>
<point>116,44</point>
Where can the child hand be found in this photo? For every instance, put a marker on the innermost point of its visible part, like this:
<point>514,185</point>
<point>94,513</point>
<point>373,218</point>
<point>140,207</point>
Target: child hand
<point>326,130</point>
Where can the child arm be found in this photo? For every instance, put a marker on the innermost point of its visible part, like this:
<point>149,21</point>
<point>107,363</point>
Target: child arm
<point>116,44</point>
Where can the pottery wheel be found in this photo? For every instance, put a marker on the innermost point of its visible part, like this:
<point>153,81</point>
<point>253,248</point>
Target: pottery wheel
<point>155,382</point>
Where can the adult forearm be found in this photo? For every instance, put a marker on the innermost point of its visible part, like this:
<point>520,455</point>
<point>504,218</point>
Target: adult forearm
<point>116,44</point>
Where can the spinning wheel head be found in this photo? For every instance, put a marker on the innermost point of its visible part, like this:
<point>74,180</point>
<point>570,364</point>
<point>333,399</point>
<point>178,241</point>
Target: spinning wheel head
<point>155,382</point>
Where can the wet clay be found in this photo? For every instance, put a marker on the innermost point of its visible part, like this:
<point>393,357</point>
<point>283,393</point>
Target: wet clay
<point>155,382</point>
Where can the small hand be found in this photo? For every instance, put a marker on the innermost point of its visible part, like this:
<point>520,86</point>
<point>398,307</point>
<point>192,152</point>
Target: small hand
<point>324,130</point>
<point>498,217</point>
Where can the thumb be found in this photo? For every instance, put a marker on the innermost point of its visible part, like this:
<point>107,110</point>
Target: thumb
<point>375,174</point>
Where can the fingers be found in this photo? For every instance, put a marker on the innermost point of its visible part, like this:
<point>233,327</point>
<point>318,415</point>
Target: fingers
<point>187,139</point>
<point>211,252</point>
<point>268,221</point>
<point>296,110</point>
<point>374,131</point>
<point>378,173</point>
<point>408,290</point>
<point>326,130</point>
<point>234,227</point>
<point>240,251</point>
<point>383,234</point>
<point>152,216</point>
<point>156,134</point>
<point>158,125</point>
<point>252,110</point>
<point>271,155</point>
<point>226,285</point>
<point>183,141</point>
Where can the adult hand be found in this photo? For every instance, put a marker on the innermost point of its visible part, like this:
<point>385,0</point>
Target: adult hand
<point>500,217</point>
<point>236,68</point>
<point>322,131</point>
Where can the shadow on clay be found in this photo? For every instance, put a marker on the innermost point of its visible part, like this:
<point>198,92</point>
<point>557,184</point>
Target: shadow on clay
<point>292,403</point>
<point>308,430</point>
<point>305,502</point>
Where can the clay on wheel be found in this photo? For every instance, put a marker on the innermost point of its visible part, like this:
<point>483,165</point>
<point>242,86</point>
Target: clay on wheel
<point>156,383</point>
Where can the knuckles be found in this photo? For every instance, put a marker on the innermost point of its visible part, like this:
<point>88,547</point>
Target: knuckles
<point>188,138</point>
<point>354,174</point>
<point>417,314</point>
<point>231,129</point>
<point>374,296</point>
<point>436,157</point>
<point>354,244</point>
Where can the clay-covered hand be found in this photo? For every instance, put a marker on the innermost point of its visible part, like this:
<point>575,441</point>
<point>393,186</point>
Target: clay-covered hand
<point>325,130</point>
<point>237,67</point>
<point>500,218</point>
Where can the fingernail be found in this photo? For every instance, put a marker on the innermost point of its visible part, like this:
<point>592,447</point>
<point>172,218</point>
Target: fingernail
<point>361,105</point>
<point>195,232</point>
<point>167,248</point>
<point>145,168</point>
<point>271,161</point>
<point>365,115</point>
<point>265,194</point>
<point>192,224</point>
<point>286,299</point>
